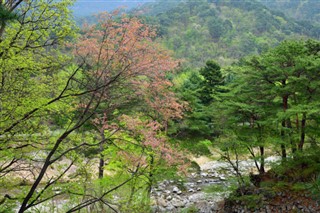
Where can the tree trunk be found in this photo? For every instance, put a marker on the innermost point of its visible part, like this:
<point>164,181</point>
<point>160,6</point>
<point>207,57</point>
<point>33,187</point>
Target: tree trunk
<point>2,28</point>
<point>292,143</point>
<point>303,134</point>
<point>285,107</point>
<point>150,179</point>
<point>283,146</point>
<point>261,170</point>
<point>101,160</point>
<point>150,176</point>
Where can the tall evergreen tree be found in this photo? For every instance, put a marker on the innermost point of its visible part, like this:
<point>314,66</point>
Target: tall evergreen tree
<point>212,79</point>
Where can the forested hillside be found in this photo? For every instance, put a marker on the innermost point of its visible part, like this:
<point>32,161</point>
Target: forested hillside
<point>222,30</point>
<point>297,9</point>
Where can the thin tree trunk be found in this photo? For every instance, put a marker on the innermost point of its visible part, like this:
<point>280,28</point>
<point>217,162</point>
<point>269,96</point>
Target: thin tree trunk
<point>2,27</point>
<point>101,160</point>
<point>283,146</point>
<point>303,134</point>
<point>285,107</point>
<point>292,143</point>
<point>101,165</point>
<point>261,170</point>
<point>254,157</point>
<point>150,176</point>
<point>132,192</point>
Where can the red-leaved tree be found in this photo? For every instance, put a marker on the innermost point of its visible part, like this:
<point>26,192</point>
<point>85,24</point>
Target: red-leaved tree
<point>126,70</point>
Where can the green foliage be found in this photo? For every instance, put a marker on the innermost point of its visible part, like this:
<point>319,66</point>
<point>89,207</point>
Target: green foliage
<point>6,15</point>
<point>195,167</point>
<point>46,105</point>
<point>200,31</point>
<point>191,209</point>
<point>303,167</point>
<point>201,89</point>
<point>214,188</point>
<point>197,146</point>
<point>212,79</point>
<point>298,9</point>
<point>315,188</point>
<point>216,28</point>
<point>251,201</point>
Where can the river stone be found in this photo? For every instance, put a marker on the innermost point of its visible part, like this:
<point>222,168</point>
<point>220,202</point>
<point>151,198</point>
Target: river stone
<point>162,202</point>
<point>156,209</point>
<point>203,174</point>
<point>203,206</point>
<point>170,208</point>
<point>215,207</point>
<point>161,188</point>
<point>175,189</point>
<point>195,197</point>
<point>167,192</point>
<point>193,174</point>
<point>191,185</point>
<point>190,190</point>
<point>222,178</point>
<point>169,197</point>
<point>178,203</point>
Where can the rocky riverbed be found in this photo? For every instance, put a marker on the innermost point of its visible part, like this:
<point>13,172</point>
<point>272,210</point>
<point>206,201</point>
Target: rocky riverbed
<point>177,196</point>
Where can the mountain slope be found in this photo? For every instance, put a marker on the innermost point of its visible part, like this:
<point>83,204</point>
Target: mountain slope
<point>223,30</point>
<point>297,9</point>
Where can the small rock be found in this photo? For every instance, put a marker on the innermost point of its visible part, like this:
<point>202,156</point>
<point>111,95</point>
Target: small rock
<point>167,192</point>
<point>175,189</point>
<point>170,208</point>
<point>222,178</point>
<point>203,174</point>
<point>195,197</point>
<point>268,210</point>
<point>161,187</point>
<point>189,184</point>
<point>211,175</point>
<point>199,181</point>
<point>203,206</point>
<point>178,203</point>
<point>162,202</point>
<point>169,197</point>
<point>199,189</point>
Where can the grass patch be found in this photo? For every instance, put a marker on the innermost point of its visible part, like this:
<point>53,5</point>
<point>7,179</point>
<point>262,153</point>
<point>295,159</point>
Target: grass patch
<point>214,188</point>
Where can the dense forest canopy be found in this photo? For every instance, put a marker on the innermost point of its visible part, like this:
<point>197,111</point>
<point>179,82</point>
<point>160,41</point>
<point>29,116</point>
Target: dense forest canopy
<point>104,116</point>
<point>222,30</point>
<point>300,10</point>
